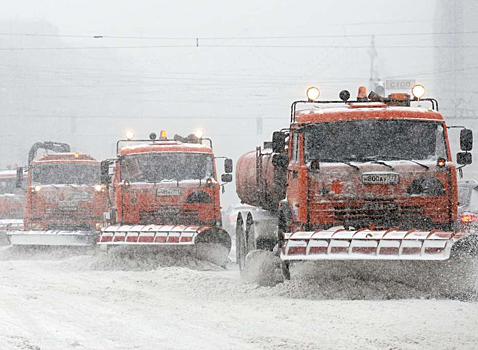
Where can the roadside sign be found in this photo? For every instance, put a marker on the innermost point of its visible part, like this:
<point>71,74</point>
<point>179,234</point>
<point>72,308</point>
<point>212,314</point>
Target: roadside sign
<point>394,85</point>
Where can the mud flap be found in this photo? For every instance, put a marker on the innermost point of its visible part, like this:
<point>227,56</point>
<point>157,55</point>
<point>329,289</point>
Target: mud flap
<point>207,243</point>
<point>340,244</point>
<point>52,238</point>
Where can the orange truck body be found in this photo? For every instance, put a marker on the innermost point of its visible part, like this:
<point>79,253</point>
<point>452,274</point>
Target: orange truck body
<point>64,206</point>
<point>336,193</point>
<point>194,202</point>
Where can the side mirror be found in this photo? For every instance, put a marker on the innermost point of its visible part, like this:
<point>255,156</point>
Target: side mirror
<point>19,181</point>
<point>228,166</point>
<point>464,158</point>
<point>278,142</point>
<point>280,160</point>
<point>226,178</point>
<point>105,172</point>
<point>466,140</point>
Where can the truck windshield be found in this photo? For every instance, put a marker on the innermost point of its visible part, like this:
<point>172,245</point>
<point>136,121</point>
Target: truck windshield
<point>377,139</point>
<point>66,174</point>
<point>174,166</point>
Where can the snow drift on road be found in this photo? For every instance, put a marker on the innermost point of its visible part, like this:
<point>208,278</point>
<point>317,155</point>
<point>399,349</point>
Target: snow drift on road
<point>353,280</point>
<point>456,278</point>
<point>326,280</point>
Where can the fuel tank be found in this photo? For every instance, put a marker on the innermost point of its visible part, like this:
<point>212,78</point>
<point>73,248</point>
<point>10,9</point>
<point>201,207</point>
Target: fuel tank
<point>258,181</point>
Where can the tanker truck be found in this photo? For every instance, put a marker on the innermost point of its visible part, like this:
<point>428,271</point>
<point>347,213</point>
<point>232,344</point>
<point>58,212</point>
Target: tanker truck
<point>366,179</point>
<point>164,195</point>
<point>64,202</point>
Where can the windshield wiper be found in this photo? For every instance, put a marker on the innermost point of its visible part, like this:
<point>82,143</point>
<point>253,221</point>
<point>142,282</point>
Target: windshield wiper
<point>330,160</point>
<point>407,160</point>
<point>374,160</point>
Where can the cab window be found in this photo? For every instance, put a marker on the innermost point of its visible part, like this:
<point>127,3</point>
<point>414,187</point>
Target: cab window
<point>295,146</point>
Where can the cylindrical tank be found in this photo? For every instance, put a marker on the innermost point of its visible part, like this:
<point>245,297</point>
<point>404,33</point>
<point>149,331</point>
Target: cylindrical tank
<point>258,182</point>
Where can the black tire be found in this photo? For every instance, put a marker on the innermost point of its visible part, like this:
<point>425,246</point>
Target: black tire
<point>240,244</point>
<point>250,234</point>
<point>281,229</point>
<point>245,241</point>
<point>285,268</point>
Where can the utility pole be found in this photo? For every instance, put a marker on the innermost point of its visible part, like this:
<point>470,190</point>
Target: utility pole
<point>373,71</point>
<point>259,126</point>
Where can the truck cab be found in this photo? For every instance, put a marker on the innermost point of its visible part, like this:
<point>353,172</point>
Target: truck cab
<point>166,182</point>
<point>64,193</point>
<point>375,164</point>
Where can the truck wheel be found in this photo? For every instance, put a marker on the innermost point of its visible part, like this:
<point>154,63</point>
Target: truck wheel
<point>245,241</point>
<point>283,225</point>
<point>250,235</point>
<point>240,244</point>
<point>285,268</point>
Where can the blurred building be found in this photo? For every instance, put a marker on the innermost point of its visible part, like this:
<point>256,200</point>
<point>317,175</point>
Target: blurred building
<point>456,64</point>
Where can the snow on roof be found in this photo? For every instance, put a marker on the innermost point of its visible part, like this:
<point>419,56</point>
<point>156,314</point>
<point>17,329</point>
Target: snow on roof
<point>369,110</point>
<point>70,156</point>
<point>165,146</point>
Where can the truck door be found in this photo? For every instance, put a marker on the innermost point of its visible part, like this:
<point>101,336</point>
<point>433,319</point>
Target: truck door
<point>297,181</point>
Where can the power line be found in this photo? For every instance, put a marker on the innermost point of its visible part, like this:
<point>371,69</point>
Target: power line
<point>279,37</point>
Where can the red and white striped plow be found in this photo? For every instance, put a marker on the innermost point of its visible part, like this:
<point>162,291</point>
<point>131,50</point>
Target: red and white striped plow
<point>209,243</point>
<point>340,244</point>
<point>149,235</point>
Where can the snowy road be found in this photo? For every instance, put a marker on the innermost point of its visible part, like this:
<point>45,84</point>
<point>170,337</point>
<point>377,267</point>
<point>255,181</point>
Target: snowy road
<point>71,303</point>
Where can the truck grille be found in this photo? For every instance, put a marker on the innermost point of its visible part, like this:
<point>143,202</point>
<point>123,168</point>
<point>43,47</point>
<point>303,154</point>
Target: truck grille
<point>169,216</point>
<point>382,214</point>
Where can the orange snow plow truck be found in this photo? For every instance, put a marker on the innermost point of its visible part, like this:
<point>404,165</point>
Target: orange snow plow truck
<point>12,202</point>
<point>164,193</point>
<point>65,201</point>
<point>365,179</point>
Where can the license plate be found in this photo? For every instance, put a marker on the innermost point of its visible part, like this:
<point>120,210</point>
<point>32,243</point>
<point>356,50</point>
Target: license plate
<point>173,191</point>
<point>380,179</point>
<point>168,211</point>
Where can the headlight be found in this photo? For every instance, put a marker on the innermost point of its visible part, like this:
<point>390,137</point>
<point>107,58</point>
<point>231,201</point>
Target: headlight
<point>426,186</point>
<point>36,188</point>
<point>418,91</point>
<point>129,134</point>
<point>312,93</point>
<point>98,188</point>
<point>199,133</point>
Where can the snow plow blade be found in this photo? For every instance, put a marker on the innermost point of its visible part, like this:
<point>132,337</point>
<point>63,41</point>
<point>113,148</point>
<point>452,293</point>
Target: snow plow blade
<point>340,244</point>
<point>52,238</point>
<point>208,243</point>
